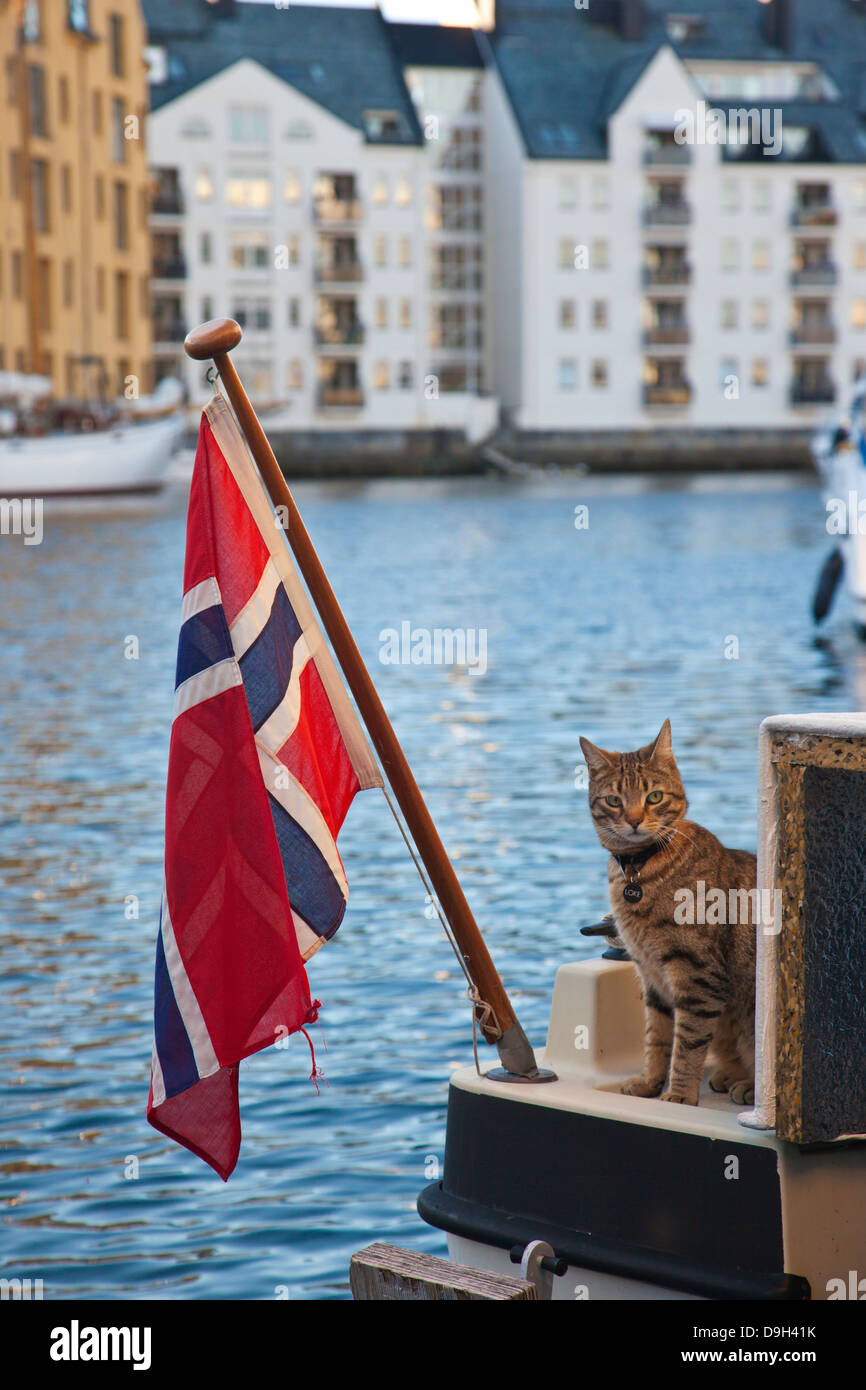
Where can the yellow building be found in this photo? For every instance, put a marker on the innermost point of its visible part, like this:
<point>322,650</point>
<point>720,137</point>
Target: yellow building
<point>74,195</point>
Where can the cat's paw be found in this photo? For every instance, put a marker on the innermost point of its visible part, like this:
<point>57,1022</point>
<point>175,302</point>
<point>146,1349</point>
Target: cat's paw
<point>676,1098</point>
<point>742,1092</point>
<point>721,1080</point>
<point>641,1086</point>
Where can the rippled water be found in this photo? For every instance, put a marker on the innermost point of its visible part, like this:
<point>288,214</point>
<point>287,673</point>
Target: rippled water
<point>603,631</point>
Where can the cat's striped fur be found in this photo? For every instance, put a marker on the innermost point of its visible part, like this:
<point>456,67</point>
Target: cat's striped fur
<point>698,980</point>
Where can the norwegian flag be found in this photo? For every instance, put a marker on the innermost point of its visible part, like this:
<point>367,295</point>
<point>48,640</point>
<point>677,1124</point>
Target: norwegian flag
<point>265,758</point>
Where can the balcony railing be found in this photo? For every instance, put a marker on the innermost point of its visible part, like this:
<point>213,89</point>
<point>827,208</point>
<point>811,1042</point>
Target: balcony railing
<point>337,209</point>
<point>168,203</point>
<point>337,273</point>
<point>169,268</point>
<point>813,333</point>
<point>339,396</point>
<point>815,275</point>
<point>172,332</point>
<point>667,154</point>
<point>667,335</point>
<point>341,335</point>
<point>667,395</point>
<point>819,393</point>
<point>814,215</point>
<point>667,215</point>
<point>667,275</point>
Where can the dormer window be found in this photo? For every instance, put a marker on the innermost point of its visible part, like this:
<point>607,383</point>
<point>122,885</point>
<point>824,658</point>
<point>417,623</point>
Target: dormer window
<point>383,125</point>
<point>684,28</point>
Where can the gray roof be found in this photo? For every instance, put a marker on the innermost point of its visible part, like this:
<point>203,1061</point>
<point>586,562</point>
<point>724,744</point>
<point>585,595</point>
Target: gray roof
<point>342,59</point>
<point>566,72</point>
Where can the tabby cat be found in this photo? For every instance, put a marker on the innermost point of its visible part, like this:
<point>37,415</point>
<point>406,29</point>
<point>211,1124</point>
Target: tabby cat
<point>698,980</point>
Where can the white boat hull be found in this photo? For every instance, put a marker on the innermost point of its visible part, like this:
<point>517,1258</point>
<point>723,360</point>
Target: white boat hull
<point>132,458</point>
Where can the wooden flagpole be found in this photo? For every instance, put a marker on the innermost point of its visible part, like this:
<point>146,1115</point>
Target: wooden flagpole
<point>215,340</point>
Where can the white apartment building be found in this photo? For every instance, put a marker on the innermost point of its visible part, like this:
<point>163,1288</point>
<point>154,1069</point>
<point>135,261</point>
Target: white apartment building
<point>417,226</point>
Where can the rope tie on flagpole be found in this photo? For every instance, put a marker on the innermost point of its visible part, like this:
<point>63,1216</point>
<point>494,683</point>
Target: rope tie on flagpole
<point>487,1014</point>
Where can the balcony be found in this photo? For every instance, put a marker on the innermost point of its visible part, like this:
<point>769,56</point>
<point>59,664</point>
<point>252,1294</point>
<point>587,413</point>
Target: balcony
<point>337,210</point>
<point>814,215</point>
<point>815,275</point>
<point>812,334</point>
<point>812,393</point>
<point>169,332</point>
<point>169,268</point>
<point>339,397</point>
<point>667,335</point>
<point>667,215</point>
<point>667,275</point>
<point>344,273</point>
<point>340,335</point>
<point>168,203</point>
<point>680,394</point>
<point>656,155</point>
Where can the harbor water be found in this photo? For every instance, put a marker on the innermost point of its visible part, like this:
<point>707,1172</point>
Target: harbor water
<point>681,598</point>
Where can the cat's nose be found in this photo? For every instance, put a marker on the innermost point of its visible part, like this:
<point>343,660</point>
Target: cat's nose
<point>634,818</point>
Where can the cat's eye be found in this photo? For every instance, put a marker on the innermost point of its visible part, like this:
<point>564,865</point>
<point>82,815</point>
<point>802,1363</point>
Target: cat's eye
<point>654,798</point>
<point>613,801</point>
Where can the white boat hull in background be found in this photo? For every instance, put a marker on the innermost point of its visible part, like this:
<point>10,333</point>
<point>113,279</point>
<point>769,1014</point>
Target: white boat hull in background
<point>130,458</point>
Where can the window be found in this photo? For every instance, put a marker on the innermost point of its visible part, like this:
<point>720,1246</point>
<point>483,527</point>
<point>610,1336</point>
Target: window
<point>567,313</point>
<point>295,374</point>
<point>403,192</point>
<point>566,253</point>
<point>248,191</point>
<point>760,255</point>
<point>380,251</point>
<point>760,371</point>
<point>760,313</point>
<point>293,246</point>
<point>203,185</point>
<point>380,191</point>
<point>292,187</point>
<point>728,315</point>
<point>121,217</point>
<point>97,113</point>
<point>253,315</point>
<point>858,195</point>
<point>118,141</point>
<point>12,79</point>
<point>66,187</point>
<point>405,313</point>
<point>456,266</point>
<point>205,248</point>
<point>294,312</point>
<point>15,173</point>
<point>462,150</point>
<point>41,195</point>
<point>99,196</point>
<point>249,250</point>
<point>730,195</point>
<point>455,208</point>
<point>858,368</point>
<point>38,101</point>
<point>248,125</point>
<point>600,192</point>
<point>567,374</point>
<point>115,44</point>
<point>68,283</point>
<point>761,195</point>
<point>730,254</point>
<point>599,313</point>
<point>381,313</point>
<point>600,254</point>
<point>858,255</point>
<point>144,304</point>
<point>207,308</point>
<point>121,304</point>
<point>858,313</point>
<point>728,367</point>
<point>404,247</point>
<point>381,376</point>
<point>405,376</point>
<point>567,191</point>
<point>599,373</point>
<point>100,289</point>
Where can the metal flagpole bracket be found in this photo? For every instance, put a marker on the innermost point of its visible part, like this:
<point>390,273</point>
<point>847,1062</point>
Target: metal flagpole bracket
<point>518,1060</point>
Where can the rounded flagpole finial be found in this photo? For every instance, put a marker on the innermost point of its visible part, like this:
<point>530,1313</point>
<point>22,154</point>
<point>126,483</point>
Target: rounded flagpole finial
<point>217,335</point>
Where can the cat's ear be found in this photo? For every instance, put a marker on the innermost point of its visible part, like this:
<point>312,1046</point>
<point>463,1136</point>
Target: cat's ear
<point>661,749</point>
<point>597,759</point>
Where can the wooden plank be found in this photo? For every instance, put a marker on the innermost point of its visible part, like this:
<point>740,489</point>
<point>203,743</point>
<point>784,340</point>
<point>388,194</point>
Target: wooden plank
<point>386,1272</point>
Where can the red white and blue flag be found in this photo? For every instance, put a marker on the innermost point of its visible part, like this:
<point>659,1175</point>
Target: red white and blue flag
<point>265,758</point>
